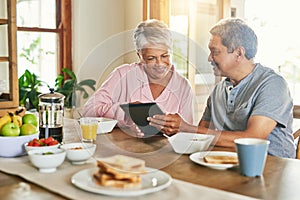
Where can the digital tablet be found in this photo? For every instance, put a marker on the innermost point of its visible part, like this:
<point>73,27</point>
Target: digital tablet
<point>139,113</point>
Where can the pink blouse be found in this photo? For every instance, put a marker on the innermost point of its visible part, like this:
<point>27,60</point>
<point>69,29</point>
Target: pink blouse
<point>129,83</point>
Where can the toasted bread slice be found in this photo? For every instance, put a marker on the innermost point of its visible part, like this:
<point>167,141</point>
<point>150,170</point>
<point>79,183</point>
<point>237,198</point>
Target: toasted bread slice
<point>120,171</point>
<point>122,164</point>
<point>112,174</point>
<point>109,181</point>
<point>220,159</point>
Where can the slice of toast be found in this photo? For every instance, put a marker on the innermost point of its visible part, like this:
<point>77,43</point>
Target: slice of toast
<point>113,174</point>
<point>109,181</point>
<point>122,163</point>
<point>120,171</point>
<point>220,159</point>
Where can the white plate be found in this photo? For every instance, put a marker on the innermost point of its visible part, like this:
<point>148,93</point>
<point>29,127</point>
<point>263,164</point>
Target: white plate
<point>155,180</point>
<point>198,158</point>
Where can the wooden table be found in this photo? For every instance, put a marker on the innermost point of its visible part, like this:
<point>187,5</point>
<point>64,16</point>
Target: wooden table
<point>279,181</point>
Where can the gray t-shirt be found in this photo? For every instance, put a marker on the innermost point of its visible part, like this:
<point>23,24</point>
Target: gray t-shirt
<point>263,92</point>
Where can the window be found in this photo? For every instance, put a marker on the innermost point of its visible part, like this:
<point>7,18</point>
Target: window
<point>44,37</point>
<point>192,20</point>
<point>278,43</point>
<point>275,27</point>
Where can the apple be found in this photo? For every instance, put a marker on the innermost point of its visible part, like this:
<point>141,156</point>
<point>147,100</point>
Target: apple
<point>10,129</point>
<point>30,119</point>
<point>27,129</point>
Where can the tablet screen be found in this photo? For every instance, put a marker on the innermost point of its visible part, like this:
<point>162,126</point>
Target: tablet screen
<point>139,113</point>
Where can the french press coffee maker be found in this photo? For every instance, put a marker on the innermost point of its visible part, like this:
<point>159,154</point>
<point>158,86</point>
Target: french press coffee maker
<point>51,112</point>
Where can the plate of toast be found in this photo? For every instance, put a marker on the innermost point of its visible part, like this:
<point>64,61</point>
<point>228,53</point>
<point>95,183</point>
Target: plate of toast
<point>121,176</point>
<point>220,160</point>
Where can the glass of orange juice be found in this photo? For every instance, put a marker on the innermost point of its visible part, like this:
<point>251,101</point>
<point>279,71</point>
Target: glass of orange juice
<point>89,126</point>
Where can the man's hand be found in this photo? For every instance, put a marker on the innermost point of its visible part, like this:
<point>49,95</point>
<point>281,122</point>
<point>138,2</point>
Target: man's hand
<point>168,124</point>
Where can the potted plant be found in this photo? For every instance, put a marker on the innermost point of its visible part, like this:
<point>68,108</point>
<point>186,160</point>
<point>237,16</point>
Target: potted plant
<point>29,84</point>
<point>71,88</point>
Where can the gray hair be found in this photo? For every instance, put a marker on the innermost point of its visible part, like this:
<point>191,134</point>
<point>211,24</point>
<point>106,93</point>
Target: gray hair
<point>235,33</point>
<point>152,32</point>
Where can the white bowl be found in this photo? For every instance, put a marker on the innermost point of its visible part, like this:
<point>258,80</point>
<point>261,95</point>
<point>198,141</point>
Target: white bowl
<point>79,153</point>
<point>187,143</point>
<point>14,146</point>
<point>105,125</point>
<point>47,160</point>
<point>46,148</point>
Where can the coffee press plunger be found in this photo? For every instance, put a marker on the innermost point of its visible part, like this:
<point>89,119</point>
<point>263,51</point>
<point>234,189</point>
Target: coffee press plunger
<point>51,112</point>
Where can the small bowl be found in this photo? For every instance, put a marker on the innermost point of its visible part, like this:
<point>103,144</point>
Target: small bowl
<point>46,148</point>
<point>47,160</point>
<point>14,146</point>
<point>188,143</point>
<point>105,125</point>
<point>79,153</point>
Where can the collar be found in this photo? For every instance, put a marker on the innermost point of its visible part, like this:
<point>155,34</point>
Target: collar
<point>171,87</point>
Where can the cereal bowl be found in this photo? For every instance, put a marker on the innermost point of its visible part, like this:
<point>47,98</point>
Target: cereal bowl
<point>105,125</point>
<point>79,153</point>
<point>47,160</point>
<point>14,146</point>
<point>187,143</point>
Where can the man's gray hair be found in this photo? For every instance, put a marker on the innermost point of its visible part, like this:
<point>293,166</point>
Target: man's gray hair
<point>235,33</point>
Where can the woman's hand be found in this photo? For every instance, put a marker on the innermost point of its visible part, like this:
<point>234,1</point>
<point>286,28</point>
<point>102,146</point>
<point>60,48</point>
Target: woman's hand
<point>135,131</point>
<point>168,124</point>
<point>131,129</point>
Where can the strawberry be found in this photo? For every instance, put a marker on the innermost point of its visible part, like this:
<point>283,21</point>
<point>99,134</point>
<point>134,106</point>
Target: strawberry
<point>48,140</point>
<point>54,142</point>
<point>36,144</point>
<point>43,142</point>
<point>30,143</point>
<point>35,139</point>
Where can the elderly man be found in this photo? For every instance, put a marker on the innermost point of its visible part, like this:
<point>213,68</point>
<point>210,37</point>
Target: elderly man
<point>252,101</point>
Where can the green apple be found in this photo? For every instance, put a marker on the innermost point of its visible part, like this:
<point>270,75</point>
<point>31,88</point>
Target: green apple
<point>27,129</point>
<point>30,119</point>
<point>10,129</point>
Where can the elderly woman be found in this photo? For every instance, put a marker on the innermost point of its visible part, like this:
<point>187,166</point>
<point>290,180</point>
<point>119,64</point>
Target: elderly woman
<point>152,79</point>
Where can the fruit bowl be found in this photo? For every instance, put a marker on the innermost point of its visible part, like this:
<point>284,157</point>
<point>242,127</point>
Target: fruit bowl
<point>47,160</point>
<point>79,153</point>
<point>14,146</point>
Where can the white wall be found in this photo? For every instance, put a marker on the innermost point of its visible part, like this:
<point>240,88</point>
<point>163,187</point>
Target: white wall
<point>102,36</point>
<point>100,28</point>
<point>240,7</point>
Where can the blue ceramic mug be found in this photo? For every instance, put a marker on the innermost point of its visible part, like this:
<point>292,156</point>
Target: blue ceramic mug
<point>252,153</point>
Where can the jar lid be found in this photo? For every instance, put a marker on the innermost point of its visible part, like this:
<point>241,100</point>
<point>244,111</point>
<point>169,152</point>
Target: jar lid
<point>52,97</point>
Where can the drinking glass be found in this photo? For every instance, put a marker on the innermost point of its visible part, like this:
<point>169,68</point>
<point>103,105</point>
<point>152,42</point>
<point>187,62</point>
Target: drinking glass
<point>89,128</point>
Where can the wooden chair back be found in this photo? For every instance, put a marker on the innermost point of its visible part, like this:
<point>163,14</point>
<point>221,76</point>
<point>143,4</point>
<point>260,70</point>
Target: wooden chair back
<point>296,113</point>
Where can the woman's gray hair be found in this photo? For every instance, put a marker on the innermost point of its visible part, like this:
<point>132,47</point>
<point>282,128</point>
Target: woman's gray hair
<point>152,32</point>
<point>235,33</point>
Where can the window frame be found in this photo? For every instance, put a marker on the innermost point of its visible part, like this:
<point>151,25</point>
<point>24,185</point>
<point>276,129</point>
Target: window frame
<point>64,33</point>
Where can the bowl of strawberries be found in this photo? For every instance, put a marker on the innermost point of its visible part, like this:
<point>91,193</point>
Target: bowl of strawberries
<point>43,144</point>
